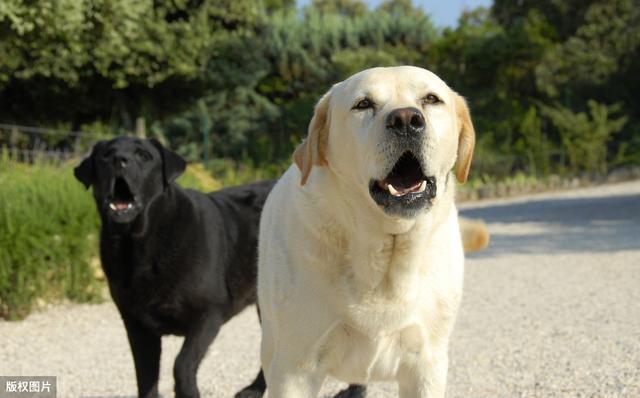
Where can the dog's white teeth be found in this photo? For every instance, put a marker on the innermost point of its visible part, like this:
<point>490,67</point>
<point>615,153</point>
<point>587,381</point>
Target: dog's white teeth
<point>112,206</point>
<point>129,205</point>
<point>423,186</point>
<point>393,191</point>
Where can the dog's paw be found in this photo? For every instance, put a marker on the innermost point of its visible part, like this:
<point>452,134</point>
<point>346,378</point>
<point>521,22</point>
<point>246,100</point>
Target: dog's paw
<point>353,391</point>
<point>249,393</point>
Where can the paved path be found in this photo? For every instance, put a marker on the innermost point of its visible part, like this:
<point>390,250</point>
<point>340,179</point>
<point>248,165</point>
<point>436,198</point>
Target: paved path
<point>551,309</point>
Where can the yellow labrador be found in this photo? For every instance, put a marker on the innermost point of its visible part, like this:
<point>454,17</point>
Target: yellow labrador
<point>360,255</point>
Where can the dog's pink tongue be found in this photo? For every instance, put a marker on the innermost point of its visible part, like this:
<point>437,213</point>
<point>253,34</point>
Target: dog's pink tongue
<point>122,205</point>
<point>402,190</point>
<point>411,188</point>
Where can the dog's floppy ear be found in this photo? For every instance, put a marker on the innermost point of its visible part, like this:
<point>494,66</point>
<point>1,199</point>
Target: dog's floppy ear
<point>312,151</point>
<point>466,139</point>
<point>172,164</point>
<point>85,172</point>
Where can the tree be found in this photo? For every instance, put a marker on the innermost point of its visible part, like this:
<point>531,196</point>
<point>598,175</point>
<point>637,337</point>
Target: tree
<point>399,8</point>
<point>585,136</point>
<point>535,144</point>
<point>93,59</point>
<point>564,15</point>
<point>604,44</point>
<point>347,8</point>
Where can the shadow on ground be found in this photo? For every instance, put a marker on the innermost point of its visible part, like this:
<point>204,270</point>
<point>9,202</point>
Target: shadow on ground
<point>561,225</point>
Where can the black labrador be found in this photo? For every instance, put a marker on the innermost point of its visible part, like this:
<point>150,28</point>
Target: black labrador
<point>177,261</point>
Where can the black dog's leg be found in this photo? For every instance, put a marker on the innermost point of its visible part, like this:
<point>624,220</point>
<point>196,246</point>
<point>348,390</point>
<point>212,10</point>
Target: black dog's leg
<point>196,343</point>
<point>259,385</point>
<point>353,391</point>
<point>255,389</point>
<point>145,347</point>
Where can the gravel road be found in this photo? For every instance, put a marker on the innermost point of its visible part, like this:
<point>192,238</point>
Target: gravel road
<point>551,309</point>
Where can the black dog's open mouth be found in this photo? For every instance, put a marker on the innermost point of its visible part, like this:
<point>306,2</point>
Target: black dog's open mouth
<point>122,199</point>
<point>405,189</point>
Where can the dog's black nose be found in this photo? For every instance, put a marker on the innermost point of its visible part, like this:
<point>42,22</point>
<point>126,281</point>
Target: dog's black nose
<point>405,121</point>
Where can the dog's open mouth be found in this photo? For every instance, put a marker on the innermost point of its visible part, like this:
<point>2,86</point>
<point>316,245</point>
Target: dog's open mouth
<point>122,199</point>
<point>405,188</point>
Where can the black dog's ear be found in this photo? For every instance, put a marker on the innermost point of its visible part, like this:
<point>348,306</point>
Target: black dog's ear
<point>172,164</point>
<point>84,172</point>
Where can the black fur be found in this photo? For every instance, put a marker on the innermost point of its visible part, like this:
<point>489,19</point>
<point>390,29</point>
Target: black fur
<point>178,261</point>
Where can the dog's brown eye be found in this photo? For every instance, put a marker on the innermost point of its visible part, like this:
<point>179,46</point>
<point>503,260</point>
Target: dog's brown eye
<point>431,99</point>
<point>144,155</point>
<point>364,103</point>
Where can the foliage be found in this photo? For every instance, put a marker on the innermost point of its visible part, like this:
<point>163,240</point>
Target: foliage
<point>198,178</point>
<point>535,144</point>
<point>48,227</point>
<point>231,173</point>
<point>245,74</point>
<point>585,136</point>
<point>348,8</point>
<point>564,15</point>
<point>126,58</point>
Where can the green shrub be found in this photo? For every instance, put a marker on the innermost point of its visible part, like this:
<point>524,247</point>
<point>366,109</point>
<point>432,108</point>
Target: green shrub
<point>231,173</point>
<point>48,237</point>
<point>196,177</point>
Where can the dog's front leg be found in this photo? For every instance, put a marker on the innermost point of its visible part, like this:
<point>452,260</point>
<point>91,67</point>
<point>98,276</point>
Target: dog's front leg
<point>426,379</point>
<point>257,388</point>
<point>286,380</point>
<point>145,347</point>
<point>196,343</point>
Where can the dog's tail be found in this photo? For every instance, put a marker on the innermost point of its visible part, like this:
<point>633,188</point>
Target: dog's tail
<point>475,235</point>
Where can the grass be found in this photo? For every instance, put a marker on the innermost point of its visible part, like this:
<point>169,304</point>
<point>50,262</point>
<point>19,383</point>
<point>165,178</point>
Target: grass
<point>48,235</point>
<point>230,172</point>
